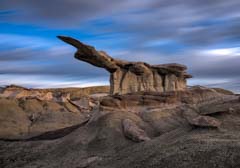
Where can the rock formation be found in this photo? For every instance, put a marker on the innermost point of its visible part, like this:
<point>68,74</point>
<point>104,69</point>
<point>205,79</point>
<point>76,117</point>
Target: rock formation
<point>147,129</point>
<point>133,132</point>
<point>165,125</point>
<point>29,112</point>
<point>129,77</point>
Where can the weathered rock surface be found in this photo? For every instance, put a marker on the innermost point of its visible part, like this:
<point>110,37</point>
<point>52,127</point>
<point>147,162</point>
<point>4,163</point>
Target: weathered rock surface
<point>133,132</point>
<point>25,113</point>
<point>204,121</point>
<point>30,117</point>
<point>57,95</point>
<point>165,118</point>
<point>195,118</point>
<point>129,77</point>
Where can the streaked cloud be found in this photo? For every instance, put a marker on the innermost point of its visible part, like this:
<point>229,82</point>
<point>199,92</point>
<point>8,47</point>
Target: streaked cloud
<point>204,35</point>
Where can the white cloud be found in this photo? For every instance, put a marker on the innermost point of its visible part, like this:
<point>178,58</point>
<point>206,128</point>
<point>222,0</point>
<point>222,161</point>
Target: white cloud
<point>44,81</point>
<point>229,52</point>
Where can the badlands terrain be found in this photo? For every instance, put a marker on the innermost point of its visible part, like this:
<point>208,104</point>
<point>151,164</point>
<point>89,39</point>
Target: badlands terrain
<point>147,118</point>
<point>77,128</point>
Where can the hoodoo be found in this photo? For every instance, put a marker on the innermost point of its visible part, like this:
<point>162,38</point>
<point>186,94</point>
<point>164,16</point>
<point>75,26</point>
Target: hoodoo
<point>129,77</point>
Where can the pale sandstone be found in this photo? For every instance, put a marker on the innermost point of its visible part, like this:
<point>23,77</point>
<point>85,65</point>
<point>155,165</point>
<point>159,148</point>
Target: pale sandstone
<point>130,77</point>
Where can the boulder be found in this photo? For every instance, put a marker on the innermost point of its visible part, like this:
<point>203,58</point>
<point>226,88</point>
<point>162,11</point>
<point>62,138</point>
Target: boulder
<point>204,121</point>
<point>191,114</point>
<point>133,132</point>
<point>221,106</point>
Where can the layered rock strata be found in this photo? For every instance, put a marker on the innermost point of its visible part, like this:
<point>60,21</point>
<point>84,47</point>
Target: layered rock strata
<point>129,77</point>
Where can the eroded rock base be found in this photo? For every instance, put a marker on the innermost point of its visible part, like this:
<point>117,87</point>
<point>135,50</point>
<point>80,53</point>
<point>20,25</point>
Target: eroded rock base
<point>148,129</point>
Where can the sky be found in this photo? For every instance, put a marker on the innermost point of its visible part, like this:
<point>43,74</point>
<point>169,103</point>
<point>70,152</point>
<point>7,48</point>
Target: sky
<point>202,34</point>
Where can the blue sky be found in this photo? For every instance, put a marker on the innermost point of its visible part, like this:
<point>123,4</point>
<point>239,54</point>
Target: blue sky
<point>204,35</point>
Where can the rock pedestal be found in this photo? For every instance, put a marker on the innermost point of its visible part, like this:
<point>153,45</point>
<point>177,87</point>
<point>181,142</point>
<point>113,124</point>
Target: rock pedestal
<point>129,77</point>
